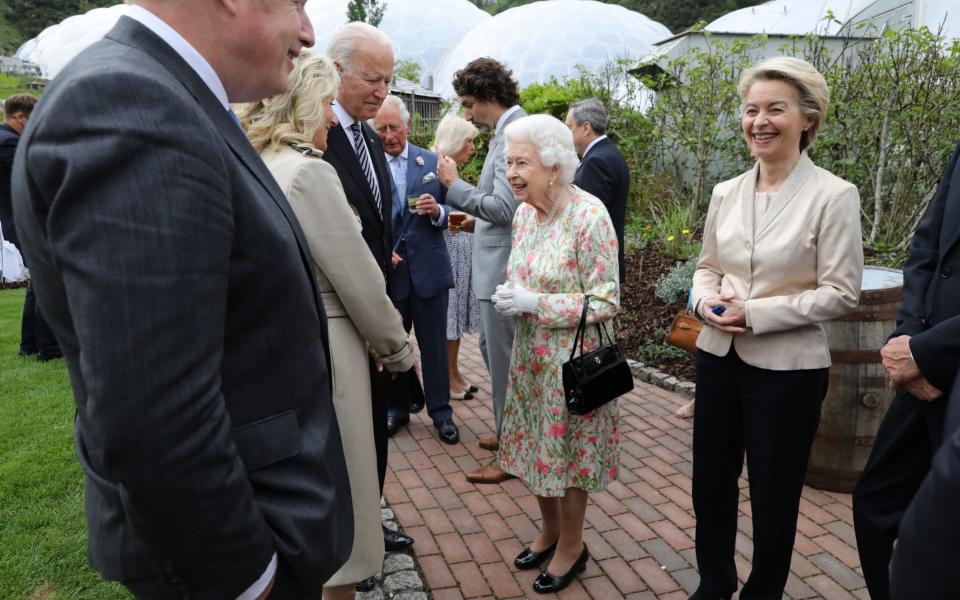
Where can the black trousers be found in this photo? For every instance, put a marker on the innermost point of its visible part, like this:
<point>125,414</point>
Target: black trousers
<point>772,416</point>
<point>35,334</point>
<point>382,386</point>
<point>909,436</point>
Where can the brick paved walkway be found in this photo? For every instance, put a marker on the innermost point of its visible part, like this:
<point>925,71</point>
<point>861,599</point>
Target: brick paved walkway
<point>639,531</point>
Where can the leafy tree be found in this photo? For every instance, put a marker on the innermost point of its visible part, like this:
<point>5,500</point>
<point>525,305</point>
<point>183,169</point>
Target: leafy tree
<point>407,69</point>
<point>368,11</point>
<point>33,16</point>
<point>677,15</point>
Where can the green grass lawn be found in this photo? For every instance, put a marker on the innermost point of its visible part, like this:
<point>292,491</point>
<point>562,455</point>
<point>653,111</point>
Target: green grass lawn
<point>43,538</point>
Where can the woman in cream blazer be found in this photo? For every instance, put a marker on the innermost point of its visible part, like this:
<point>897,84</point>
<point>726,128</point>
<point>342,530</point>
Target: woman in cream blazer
<point>290,132</point>
<point>781,253</point>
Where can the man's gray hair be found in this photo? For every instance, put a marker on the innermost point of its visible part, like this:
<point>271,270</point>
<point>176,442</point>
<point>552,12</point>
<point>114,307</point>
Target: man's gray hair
<point>591,110</point>
<point>350,38</point>
<point>400,106</point>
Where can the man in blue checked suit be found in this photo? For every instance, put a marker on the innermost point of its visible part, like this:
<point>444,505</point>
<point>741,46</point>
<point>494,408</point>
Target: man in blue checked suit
<point>422,274</point>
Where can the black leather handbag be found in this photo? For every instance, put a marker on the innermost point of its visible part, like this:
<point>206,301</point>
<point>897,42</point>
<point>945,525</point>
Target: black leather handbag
<point>596,377</point>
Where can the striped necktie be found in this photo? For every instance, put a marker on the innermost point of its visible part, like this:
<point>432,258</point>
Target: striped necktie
<point>367,165</point>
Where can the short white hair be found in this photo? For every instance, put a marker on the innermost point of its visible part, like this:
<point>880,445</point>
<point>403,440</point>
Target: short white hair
<point>553,140</point>
<point>453,133</point>
<point>349,39</point>
<point>400,106</point>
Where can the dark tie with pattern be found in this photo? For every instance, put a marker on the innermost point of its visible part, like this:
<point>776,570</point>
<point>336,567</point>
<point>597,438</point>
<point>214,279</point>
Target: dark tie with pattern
<point>367,165</point>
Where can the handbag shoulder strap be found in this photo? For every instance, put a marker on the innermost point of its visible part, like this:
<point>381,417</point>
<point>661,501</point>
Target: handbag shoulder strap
<point>581,328</point>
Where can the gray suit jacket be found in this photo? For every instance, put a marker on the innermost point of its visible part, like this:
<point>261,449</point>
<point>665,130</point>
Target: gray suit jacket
<point>178,284</point>
<point>492,202</point>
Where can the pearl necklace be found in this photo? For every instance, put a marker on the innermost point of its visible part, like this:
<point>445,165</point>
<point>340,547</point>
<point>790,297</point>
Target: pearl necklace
<point>553,210</point>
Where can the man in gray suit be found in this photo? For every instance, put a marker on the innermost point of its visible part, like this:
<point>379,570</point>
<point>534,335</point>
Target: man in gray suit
<point>178,282</point>
<point>490,99</point>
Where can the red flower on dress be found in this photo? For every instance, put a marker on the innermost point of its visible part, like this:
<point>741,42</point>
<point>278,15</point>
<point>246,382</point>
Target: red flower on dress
<point>540,350</point>
<point>557,429</point>
<point>584,472</point>
<point>542,467</point>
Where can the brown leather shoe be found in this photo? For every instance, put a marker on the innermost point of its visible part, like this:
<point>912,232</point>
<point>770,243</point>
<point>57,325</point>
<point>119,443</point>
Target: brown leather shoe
<point>489,473</point>
<point>491,444</point>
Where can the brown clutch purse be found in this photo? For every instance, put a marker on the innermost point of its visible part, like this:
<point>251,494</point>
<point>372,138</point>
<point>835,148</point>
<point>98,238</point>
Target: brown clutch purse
<point>684,331</point>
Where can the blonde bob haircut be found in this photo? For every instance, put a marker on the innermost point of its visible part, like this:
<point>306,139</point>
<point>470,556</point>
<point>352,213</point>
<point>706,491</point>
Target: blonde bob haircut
<point>294,116</point>
<point>453,133</point>
<point>553,140</point>
<point>812,92</point>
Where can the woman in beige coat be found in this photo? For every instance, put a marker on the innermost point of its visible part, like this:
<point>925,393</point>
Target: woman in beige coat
<point>290,132</point>
<point>781,253</point>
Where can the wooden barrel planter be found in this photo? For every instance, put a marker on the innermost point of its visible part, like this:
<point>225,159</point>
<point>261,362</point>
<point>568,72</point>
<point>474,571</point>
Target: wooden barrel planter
<point>858,396</point>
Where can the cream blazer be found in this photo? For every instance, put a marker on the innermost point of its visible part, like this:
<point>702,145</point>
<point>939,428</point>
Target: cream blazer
<point>801,264</point>
<point>350,282</point>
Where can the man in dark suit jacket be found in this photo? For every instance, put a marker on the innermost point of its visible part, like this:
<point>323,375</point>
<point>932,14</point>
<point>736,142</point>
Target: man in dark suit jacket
<point>928,542</point>
<point>421,279</point>
<point>35,335</point>
<point>16,113</point>
<point>921,358</point>
<point>364,57</point>
<point>178,282</point>
<point>603,171</point>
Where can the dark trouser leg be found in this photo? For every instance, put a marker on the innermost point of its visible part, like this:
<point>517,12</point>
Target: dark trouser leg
<point>46,342</point>
<point>380,387</point>
<point>781,412</point>
<point>908,437</point>
<point>28,339</point>
<point>717,462</point>
<point>430,324</point>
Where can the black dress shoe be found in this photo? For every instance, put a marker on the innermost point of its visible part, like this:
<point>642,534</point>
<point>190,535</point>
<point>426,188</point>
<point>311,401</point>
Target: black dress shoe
<point>528,559</point>
<point>448,431</point>
<point>48,356</point>
<point>394,541</point>
<point>394,423</point>
<point>545,583</point>
<point>367,584</point>
<point>27,351</point>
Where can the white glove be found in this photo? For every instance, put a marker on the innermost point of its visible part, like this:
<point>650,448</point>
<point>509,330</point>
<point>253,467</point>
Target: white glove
<point>512,299</point>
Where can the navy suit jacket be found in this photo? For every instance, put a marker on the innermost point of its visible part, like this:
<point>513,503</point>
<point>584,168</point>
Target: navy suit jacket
<point>603,172</point>
<point>925,561</point>
<point>8,147</point>
<point>425,269</point>
<point>179,286</point>
<point>376,227</point>
<point>930,312</point>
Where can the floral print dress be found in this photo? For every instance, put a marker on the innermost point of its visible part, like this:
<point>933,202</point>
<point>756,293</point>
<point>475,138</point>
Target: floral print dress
<point>541,443</point>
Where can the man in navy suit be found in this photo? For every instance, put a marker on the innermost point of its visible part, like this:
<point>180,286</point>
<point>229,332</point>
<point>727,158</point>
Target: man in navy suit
<point>364,57</point>
<point>422,273</point>
<point>928,543</point>
<point>921,358</point>
<point>603,171</point>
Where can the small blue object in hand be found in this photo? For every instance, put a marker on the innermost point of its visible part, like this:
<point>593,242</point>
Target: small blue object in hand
<point>718,310</point>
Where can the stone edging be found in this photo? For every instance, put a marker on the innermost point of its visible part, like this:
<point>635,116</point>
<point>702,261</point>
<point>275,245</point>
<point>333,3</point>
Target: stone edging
<point>663,380</point>
<point>400,578</point>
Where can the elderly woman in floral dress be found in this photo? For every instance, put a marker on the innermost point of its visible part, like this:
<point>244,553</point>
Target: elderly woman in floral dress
<point>564,249</point>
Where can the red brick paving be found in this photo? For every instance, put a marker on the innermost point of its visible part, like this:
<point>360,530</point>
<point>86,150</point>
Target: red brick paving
<point>640,531</point>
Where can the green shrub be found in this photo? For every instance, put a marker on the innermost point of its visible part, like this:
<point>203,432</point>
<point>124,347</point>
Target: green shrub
<point>675,283</point>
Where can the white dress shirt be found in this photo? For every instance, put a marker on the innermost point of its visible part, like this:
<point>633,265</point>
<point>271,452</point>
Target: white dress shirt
<point>199,64</point>
<point>592,144</point>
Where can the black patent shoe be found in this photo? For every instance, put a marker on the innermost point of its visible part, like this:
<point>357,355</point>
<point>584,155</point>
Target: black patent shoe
<point>529,559</point>
<point>394,541</point>
<point>367,584</point>
<point>545,583</point>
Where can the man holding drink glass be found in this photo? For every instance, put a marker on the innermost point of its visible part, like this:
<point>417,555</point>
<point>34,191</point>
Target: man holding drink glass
<point>422,274</point>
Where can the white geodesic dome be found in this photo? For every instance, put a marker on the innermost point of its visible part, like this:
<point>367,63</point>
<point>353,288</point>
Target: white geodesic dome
<point>421,30</point>
<point>839,17</point>
<point>551,38</point>
<point>56,45</point>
